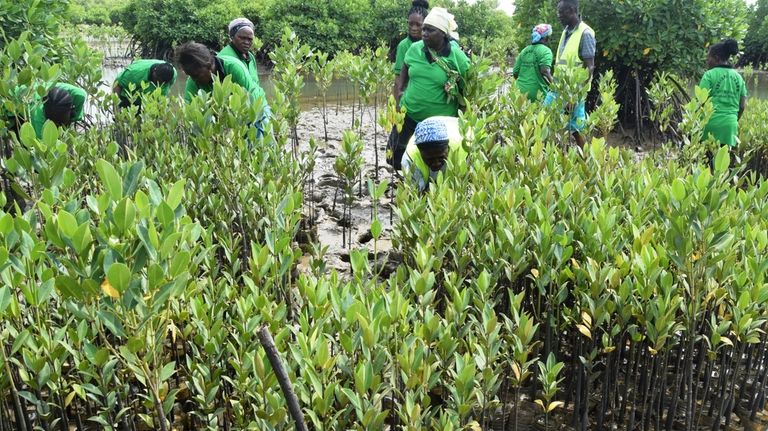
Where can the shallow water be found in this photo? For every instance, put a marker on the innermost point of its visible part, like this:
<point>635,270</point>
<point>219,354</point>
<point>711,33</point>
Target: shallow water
<point>341,92</point>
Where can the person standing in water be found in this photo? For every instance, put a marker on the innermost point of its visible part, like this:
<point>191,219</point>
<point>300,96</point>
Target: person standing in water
<point>533,65</point>
<point>727,92</point>
<point>578,47</point>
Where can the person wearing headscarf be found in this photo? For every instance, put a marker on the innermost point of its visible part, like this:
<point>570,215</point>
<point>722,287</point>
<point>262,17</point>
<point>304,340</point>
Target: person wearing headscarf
<point>534,63</point>
<point>433,141</point>
<point>143,77</point>
<point>432,79</point>
<point>727,91</point>
<point>202,67</point>
<point>241,35</point>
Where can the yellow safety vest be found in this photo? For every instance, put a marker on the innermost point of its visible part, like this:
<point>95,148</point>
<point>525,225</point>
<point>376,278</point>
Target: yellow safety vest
<point>454,145</point>
<point>571,50</point>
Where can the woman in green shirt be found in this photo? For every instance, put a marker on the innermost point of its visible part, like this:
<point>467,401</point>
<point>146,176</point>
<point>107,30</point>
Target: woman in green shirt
<point>241,35</point>
<point>202,67</point>
<point>63,105</point>
<point>532,69</point>
<point>143,77</point>
<point>432,77</point>
<point>727,91</point>
<point>417,13</point>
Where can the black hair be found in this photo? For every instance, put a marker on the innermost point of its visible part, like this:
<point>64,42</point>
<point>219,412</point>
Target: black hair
<point>573,4</point>
<point>161,73</point>
<point>58,106</point>
<point>419,7</point>
<point>193,56</point>
<point>724,49</point>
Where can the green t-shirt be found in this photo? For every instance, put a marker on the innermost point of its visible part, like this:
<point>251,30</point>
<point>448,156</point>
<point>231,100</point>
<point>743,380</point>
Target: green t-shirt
<point>78,98</point>
<point>227,66</point>
<point>726,88</point>
<point>527,68</point>
<point>402,48</point>
<point>425,92</point>
<point>249,62</point>
<point>136,74</point>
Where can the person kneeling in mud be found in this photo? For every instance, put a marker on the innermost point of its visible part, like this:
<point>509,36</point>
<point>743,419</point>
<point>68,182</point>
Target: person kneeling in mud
<point>428,150</point>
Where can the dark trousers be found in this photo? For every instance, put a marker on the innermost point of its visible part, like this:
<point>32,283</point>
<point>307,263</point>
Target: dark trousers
<point>399,141</point>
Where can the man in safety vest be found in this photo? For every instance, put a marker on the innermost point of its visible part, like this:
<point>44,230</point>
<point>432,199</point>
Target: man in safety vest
<point>577,46</point>
<point>432,142</point>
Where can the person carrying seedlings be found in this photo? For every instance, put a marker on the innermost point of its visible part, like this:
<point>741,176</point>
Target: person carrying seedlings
<point>432,77</point>
<point>429,147</point>
<point>578,47</point>
<point>143,77</point>
<point>241,35</point>
<point>727,91</point>
<point>63,105</point>
<point>533,65</point>
<point>202,67</point>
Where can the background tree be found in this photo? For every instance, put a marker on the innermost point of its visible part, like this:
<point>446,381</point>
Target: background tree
<point>756,40</point>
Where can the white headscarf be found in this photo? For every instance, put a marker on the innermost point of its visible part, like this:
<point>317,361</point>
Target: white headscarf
<point>442,20</point>
<point>238,23</point>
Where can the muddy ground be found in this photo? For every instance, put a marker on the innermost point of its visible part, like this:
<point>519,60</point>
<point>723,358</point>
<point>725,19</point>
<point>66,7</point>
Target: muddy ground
<point>326,200</point>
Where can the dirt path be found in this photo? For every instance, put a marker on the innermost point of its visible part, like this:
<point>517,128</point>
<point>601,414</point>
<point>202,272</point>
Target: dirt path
<point>329,215</point>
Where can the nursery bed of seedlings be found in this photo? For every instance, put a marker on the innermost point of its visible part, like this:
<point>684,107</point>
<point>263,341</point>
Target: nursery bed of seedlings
<point>540,286</point>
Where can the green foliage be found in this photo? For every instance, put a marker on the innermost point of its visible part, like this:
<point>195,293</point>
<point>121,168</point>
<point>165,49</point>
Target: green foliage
<point>95,12</point>
<point>658,41</point>
<point>756,40</point>
<point>161,24</point>
<point>40,18</point>
<point>329,26</point>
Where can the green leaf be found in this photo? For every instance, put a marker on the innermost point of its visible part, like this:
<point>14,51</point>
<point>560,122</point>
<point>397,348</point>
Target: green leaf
<point>376,228</point>
<point>131,180</point>
<point>50,135</point>
<point>119,276</point>
<point>722,159</point>
<point>167,371</point>
<point>112,323</point>
<point>67,223</point>
<point>5,299</point>
<point>124,215</point>
<point>175,194</point>
<point>110,178</point>
<point>179,263</point>
<point>27,135</point>
<point>678,189</point>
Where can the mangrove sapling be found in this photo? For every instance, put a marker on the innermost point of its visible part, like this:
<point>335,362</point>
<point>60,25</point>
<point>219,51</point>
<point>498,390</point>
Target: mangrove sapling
<point>378,72</point>
<point>549,378</point>
<point>323,71</point>
<point>291,59</point>
<point>348,165</point>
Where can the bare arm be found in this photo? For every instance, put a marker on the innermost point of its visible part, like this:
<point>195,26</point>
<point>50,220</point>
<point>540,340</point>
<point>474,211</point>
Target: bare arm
<point>546,74</point>
<point>742,106</point>
<point>117,89</point>
<point>589,64</point>
<point>401,82</point>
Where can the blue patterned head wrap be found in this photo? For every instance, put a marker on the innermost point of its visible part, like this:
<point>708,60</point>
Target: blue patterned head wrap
<point>540,32</point>
<point>431,131</point>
